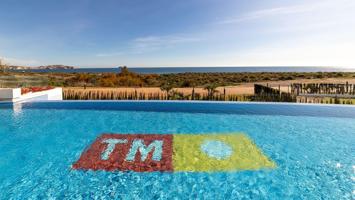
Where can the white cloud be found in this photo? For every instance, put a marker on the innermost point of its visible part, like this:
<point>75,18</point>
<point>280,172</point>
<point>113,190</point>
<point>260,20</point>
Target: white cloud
<point>109,54</point>
<point>149,44</point>
<point>153,43</point>
<point>288,10</point>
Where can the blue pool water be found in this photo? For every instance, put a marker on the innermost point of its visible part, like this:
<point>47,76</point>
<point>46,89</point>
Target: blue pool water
<point>313,147</point>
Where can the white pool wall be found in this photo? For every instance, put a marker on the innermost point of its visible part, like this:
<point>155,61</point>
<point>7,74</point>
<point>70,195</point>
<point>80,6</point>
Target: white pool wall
<point>10,93</point>
<point>14,95</point>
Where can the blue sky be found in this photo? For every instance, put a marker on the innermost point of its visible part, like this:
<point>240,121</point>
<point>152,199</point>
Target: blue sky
<point>153,33</point>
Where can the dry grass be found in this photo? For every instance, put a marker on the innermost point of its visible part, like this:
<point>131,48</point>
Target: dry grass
<point>325,100</point>
<point>232,92</point>
<point>153,93</point>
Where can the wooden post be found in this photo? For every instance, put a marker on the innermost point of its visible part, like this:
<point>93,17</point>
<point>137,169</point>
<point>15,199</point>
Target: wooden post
<point>224,93</point>
<point>193,94</point>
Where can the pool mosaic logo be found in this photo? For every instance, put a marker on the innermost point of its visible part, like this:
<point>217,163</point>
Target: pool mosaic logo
<point>179,152</point>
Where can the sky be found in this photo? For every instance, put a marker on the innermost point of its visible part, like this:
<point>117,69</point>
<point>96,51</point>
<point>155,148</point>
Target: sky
<point>164,33</point>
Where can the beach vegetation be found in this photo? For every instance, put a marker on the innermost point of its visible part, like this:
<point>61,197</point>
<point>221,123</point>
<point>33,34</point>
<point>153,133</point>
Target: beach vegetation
<point>211,90</point>
<point>167,88</point>
<point>126,78</point>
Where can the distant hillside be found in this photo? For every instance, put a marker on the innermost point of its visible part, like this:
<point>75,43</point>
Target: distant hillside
<point>14,67</point>
<point>55,67</point>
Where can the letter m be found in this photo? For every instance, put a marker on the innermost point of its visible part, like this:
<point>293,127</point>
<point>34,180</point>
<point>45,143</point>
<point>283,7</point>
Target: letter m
<point>138,145</point>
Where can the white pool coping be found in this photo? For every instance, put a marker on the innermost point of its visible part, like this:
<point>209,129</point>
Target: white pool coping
<point>55,94</point>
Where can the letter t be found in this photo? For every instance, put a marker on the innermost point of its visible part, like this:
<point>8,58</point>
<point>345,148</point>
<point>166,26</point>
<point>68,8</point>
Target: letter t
<point>111,144</point>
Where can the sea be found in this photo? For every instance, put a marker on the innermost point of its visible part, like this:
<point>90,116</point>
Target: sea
<point>175,70</point>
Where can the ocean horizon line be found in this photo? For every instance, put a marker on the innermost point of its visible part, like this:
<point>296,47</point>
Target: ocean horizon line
<point>167,70</point>
<point>269,66</point>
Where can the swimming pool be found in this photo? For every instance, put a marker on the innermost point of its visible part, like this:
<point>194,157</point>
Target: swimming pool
<point>307,150</point>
